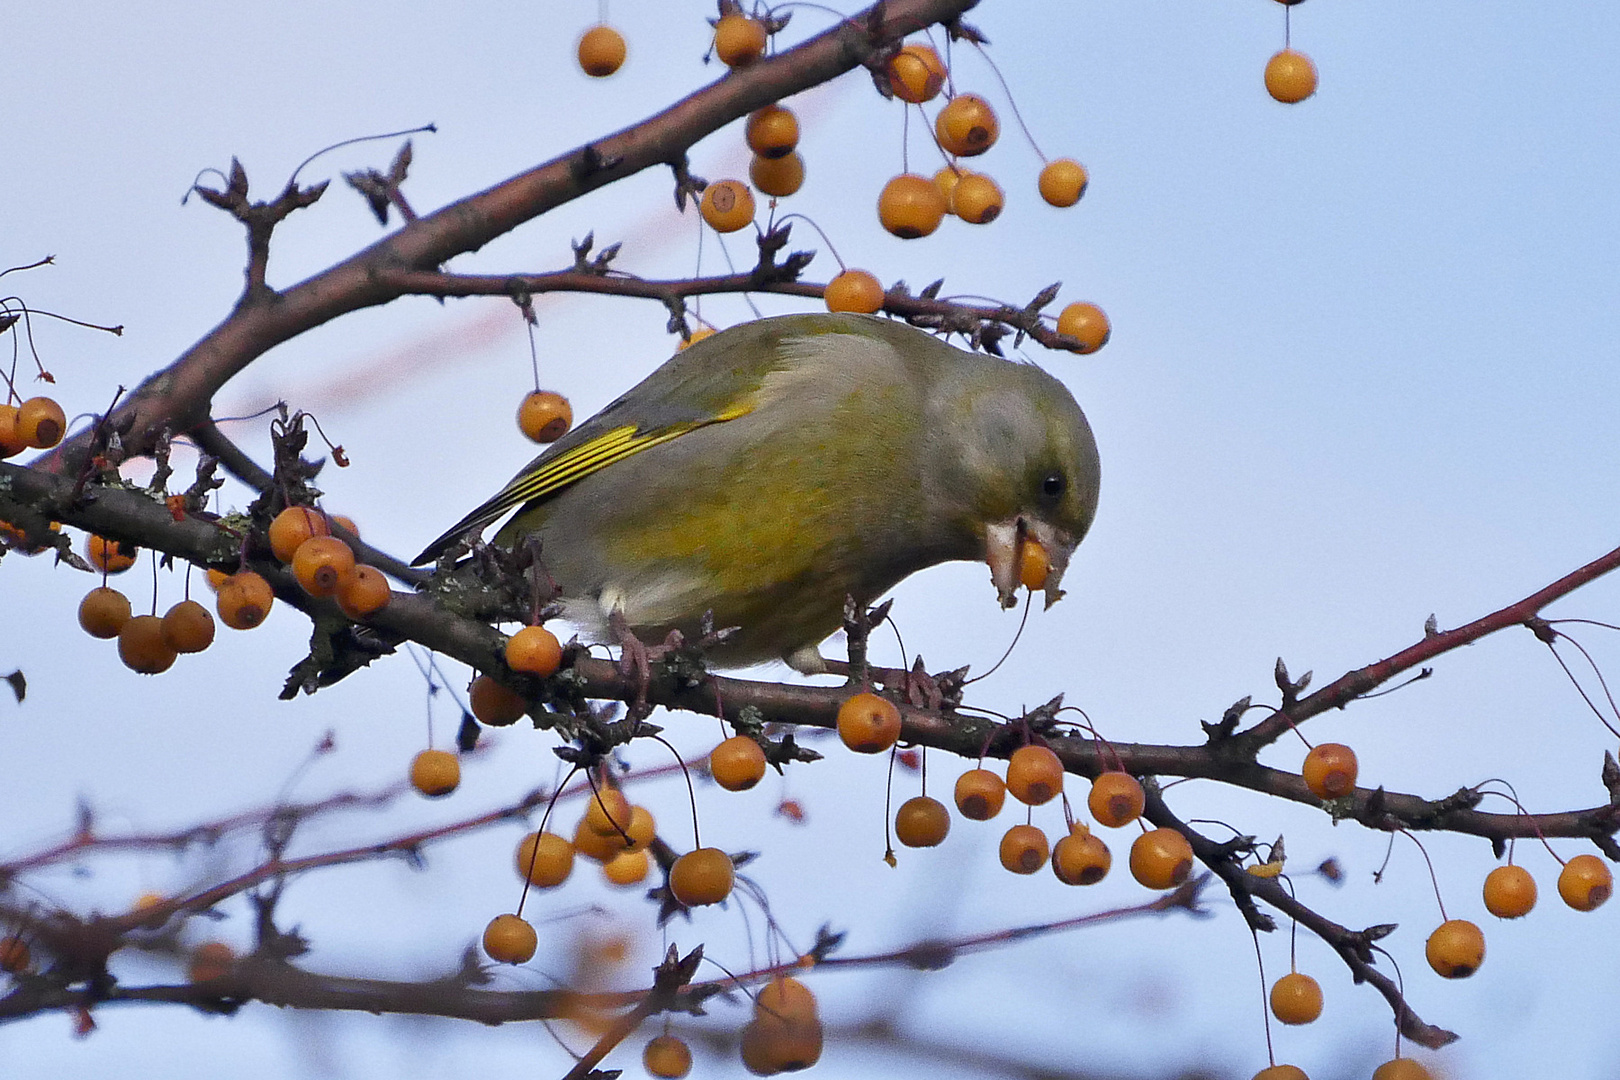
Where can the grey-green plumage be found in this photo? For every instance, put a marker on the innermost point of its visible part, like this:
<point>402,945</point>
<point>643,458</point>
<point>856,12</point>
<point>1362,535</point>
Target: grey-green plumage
<point>770,470</point>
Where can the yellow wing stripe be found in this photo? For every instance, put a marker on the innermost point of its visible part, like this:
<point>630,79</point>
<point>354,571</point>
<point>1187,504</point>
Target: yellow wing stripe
<point>588,457</point>
<point>573,465</point>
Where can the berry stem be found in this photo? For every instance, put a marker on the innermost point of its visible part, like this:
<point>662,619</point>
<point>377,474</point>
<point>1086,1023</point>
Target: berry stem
<point>691,793</point>
<point>825,239</point>
<point>1012,103</point>
<point>534,852</point>
<point>1582,690</point>
<point>1265,1010</point>
<point>1435,881</point>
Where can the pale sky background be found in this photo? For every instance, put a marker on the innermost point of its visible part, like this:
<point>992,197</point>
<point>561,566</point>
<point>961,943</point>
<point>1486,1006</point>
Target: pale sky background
<point>1363,369</point>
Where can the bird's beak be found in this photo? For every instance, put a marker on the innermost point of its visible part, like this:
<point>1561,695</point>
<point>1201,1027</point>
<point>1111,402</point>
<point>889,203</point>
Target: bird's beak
<point>1004,541</point>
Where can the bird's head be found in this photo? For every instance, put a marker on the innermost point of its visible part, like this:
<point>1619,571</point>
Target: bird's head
<point>1023,468</point>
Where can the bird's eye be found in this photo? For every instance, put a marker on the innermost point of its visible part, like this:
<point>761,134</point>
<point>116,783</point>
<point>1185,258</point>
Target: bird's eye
<point>1054,485</point>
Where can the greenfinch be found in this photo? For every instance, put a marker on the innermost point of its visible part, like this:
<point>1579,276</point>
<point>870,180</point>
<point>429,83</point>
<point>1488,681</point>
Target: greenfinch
<point>767,472</point>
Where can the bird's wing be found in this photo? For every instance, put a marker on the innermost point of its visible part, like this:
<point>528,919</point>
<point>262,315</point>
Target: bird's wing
<point>551,474</point>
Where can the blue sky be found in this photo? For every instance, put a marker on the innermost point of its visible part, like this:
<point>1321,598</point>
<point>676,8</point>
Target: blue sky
<point>1363,369</point>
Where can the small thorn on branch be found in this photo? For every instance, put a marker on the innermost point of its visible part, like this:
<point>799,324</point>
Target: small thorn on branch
<point>1291,689</point>
<point>382,190</point>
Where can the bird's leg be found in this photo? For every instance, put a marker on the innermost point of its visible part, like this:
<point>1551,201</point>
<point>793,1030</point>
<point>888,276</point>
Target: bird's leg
<point>635,661</point>
<point>636,658</point>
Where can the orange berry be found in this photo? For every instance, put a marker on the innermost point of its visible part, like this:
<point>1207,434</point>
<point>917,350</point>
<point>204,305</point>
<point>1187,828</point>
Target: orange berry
<point>534,650</point>
<point>142,648</point>
<point>1085,323</point>
<point>322,564</point>
<point>509,940</point>
<point>1281,1072</point>
<point>977,199</point>
<point>544,859</point>
<point>1034,775</point>
<point>786,1030</point>
<point>110,556</point>
<point>642,830</point>
<point>346,523</point>
<point>1161,859</point>
<point>494,704</point>
<point>855,290</point>
<point>868,724</point>
<point>366,593</point>
<point>916,73</point>
<point>727,205</point>
<point>1023,849</point>
<point>1081,858</point>
<point>15,955</point>
<point>1455,949</point>
<point>772,132</point>
<point>244,600</point>
<point>697,335</point>
<point>966,126</point>
<point>594,845</point>
<point>777,177</point>
<point>40,423</point>
<point>544,416</point>
<point>1290,77</point>
<point>10,441</point>
<point>702,876</point>
<point>786,998</point>
<point>210,960</point>
<point>1510,892</point>
<point>188,628</point>
<point>1401,1069</point>
<point>922,822</point>
<point>738,40</point>
<point>1063,181</point>
<point>1034,565</point>
<point>216,578</point>
<point>627,868</point>
<point>19,538</point>
<point>601,51</point>
<point>292,527</point>
<point>103,612</point>
<point>979,794</point>
<point>607,812</point>
<point>667,1057</point>
<point>910,206</point>
<point>771,1046</point>
<point>1330,770</point>
<point>1296,999</point>
<point>635,830</point>
<point>946,180</point>
<point>737,764</point>
<point>435,773</point>
<point>1116,799</point>
<point>148,901</point>
<point>1585,882</point>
